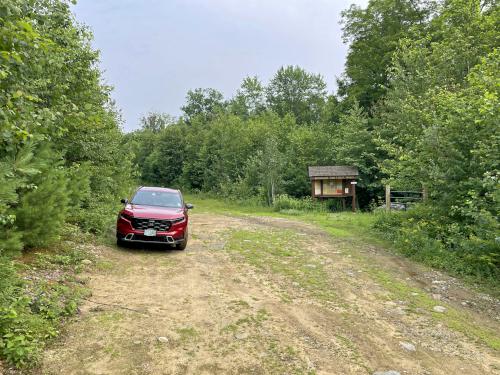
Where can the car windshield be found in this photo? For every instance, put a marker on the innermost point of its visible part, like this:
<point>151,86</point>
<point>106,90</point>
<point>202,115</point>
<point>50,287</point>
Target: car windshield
<point>157,198</point>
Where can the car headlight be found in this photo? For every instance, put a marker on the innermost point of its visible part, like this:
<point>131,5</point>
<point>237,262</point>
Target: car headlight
<point>179,220</point>
<point>126,217</point>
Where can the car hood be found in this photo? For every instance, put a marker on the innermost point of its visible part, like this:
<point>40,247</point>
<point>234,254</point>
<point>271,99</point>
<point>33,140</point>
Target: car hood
<point>153,212</point>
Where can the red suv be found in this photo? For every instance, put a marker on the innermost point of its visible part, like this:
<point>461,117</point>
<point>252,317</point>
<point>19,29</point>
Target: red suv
<point>154,215</point>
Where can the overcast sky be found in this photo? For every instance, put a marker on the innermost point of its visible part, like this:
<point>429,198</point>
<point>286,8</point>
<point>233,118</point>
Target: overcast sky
<point>154,51</point>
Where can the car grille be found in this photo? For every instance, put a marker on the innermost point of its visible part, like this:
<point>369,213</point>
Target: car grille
<point>157,224</point>
<point>140,237</point>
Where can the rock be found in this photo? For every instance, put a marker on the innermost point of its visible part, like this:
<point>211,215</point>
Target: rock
<point>163,339</point>
<point>86,262</point>
<point>241,335</point>
<point>437,282</point>
<point>400,311</point>
<point>390,372</point>
<point>137,343</point>
<point>436,296</point>
<point>439,309</point>
<point>407,346</point>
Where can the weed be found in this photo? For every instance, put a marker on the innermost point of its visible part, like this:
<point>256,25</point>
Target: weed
<point>109,317</point>
<point>238,305</point>
<point>187,334</point>
<point>459,321</point>
<point>279,253</point>
<point>254,320</point>
<point>39,294</point>
<point>285,360</point>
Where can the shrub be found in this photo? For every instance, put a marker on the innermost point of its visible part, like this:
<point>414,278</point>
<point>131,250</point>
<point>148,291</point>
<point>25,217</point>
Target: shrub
<point>284,202</point>
<point>31,307</point>
<point>431,237</point>
<point>44,207</point>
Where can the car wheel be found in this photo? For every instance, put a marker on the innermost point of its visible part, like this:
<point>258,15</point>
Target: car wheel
<point>182,245</point>
<point>120,242</point>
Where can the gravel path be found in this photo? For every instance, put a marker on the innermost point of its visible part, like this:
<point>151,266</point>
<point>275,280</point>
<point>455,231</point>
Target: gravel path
<point>272,296</point>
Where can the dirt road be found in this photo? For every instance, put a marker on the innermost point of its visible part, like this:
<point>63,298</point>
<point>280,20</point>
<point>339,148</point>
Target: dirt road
<point>273,296</point>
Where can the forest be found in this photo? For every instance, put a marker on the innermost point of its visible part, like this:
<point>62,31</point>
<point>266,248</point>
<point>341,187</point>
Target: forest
<point>417,106</point>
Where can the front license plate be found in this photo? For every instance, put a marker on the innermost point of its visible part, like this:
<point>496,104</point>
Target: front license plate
<point>150,232</point>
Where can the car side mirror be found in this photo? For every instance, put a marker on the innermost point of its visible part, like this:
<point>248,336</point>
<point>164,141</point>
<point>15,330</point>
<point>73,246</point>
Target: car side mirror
<point>124,200</point>
<point>189,206</point>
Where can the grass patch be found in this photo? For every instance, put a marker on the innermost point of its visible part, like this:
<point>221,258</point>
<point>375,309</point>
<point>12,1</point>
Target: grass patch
<point>285,360</point>
<point>278,252</point>
<point>109,317</point>
<point>255,320</point>
<point>456,320</point>
<point>238,305</point>
<point>187,334</point>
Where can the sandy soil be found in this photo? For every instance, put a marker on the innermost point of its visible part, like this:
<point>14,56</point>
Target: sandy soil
<point>208,310</point>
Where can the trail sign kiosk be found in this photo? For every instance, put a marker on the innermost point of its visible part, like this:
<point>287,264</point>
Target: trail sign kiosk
<point>335,181</point>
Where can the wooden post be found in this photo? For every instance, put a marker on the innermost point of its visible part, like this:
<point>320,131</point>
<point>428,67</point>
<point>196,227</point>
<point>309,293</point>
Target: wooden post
<point>425,193</point>
<point>387,197</point>
<point>313,190</point>
<point>353,185</point>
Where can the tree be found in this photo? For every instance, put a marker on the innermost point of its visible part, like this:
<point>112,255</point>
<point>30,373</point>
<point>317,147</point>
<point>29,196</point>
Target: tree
<point>374,33</point>
<point>294,91</point>
<point>56,116</point>
<point>354,145</point>
<point>424,68</point>
<point>202,102</point>
<point>156,122</point>
<point>250,98</point>
<point>267,165</point>
<point>439,128</point>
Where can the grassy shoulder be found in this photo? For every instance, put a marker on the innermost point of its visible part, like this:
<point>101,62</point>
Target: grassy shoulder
<point>39,291</point>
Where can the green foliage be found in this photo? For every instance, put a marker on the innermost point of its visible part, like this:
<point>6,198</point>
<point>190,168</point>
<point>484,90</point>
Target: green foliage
<point>294,91</point>
<point>249,99</point>
<point>156,122</point>
<point>285,203</point>
<point>60,161</point>
<point>374,33</point>
<point>203,103</point>
<point>439,128</point>
<point>42,211</point>
<point>59,135</point>
<point>32,307</point>
<point>354,145</point>
<point>429,236</point>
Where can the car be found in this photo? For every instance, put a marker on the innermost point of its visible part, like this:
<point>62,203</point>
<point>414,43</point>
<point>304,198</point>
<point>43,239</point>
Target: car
<point>154,215</point>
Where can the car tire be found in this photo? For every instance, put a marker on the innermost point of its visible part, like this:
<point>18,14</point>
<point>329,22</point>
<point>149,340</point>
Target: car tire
<point>182,245</point>
<point>120,242</point>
